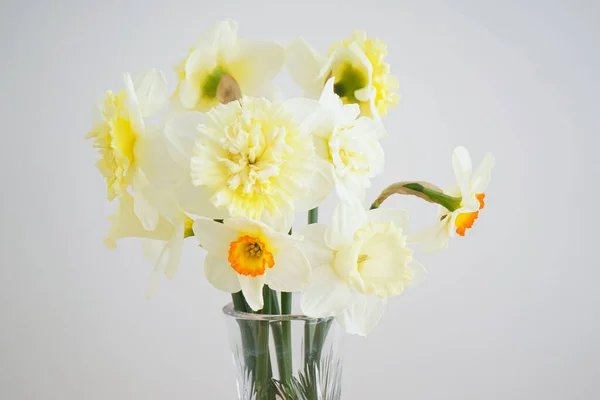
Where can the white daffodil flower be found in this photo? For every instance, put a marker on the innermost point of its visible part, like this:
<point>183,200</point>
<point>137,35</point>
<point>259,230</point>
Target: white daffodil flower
<point>471,190</point>
<point>357,65</point>
<point>245,255</point>
<point>358,262</point>
<point>256,159</point>
<point>120,135</point>
<point>347,146</point>
<point>252,63</point>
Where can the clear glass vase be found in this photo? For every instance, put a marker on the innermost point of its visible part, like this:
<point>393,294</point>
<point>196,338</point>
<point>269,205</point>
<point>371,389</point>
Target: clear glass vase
<point>287,357</point>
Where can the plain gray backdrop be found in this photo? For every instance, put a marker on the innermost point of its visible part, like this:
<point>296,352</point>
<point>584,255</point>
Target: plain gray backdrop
<point>508,312</point>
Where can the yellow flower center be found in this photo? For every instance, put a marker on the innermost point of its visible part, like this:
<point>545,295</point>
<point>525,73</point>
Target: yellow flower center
<point>349,78</point>
<point>115,139</point>
<point>465,221</point>
<point>249,256</point>
<point>188,225</point>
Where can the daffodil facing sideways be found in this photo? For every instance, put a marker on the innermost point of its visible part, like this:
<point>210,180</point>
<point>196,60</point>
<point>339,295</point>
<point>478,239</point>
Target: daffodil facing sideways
<point>171,195</point>
<point>246,255</point>
<point>251,63</point>
<point>347,146</point>
<point>358,262</point>
<point>459,205</point>
<point>120,135</point>
<point>256,159</point>
<point>361,76</point>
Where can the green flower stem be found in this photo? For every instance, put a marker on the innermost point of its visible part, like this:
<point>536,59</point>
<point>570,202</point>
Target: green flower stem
<point>286,309</point>
<point>309,327</point>
<point>309,333</point>
<point>277,331</point>
<point>321,332</point>
<point>313,215</point>
<point>263,367</point>
<point>309,364</point>
<point>449,202</point>
<point>239,304</point>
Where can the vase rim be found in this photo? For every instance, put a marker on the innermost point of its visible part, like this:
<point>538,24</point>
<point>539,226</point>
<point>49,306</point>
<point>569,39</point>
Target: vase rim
<point>230,311</point>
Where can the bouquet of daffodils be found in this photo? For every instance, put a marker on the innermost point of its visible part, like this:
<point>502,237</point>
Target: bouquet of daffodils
<point>230,164</point>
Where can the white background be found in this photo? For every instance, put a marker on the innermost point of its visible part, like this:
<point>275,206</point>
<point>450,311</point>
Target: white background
<point>508,312</point>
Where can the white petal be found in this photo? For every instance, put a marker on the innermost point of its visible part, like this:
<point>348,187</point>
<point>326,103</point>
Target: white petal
<point>281,222</point>
<point>221,35</point>
<point>126,224</point>
<point>328,97</point>
<point>326,294</point>
<point>181,132</point>
<point>304,64</point>
<point>434,238</point>
<point>255,63</point>
<point>362,59</point>
<point>302,109</point>
<point>219,273</point>
<point>213,236</point>
<point>365,93</point>
<point>152,91</point>
<point>145,211</point>
<point>189,94</point>
<point>196,200</point>
<point>313,245</point>
<point>362,314</point>
<point>252,288</point>
<point>249,226</point>
<point>351,189</point>
<point>322,183</point>
<point>345,221</point>
<point>398,217</point>
<point>461,162</point>
<point>419,273</point>
<point>481,179</point>
<point>167,261</point>
<point>369,109</point>
<point>133,106</point>
<point>290,273</point>
<point>173,252</point>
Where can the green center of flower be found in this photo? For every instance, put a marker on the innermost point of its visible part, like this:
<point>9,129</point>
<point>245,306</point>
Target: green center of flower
<point>348,80</point>
<point>211,82</point>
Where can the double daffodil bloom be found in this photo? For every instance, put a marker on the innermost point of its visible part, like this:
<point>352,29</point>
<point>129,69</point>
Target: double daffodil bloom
<point>245,255</point>
<point>251,63</point>
<point>358,263</point>
<point>256,159</point>
<point>361,76</point>
<point>470,190</point>
<point>347,145</point>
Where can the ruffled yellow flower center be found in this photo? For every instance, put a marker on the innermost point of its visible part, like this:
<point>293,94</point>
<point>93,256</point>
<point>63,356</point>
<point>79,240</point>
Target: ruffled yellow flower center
<point>115,139</point>
<point>252,158</point>
<point>349,78</point>
<point>249,256</point>
<point>465,221</point>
